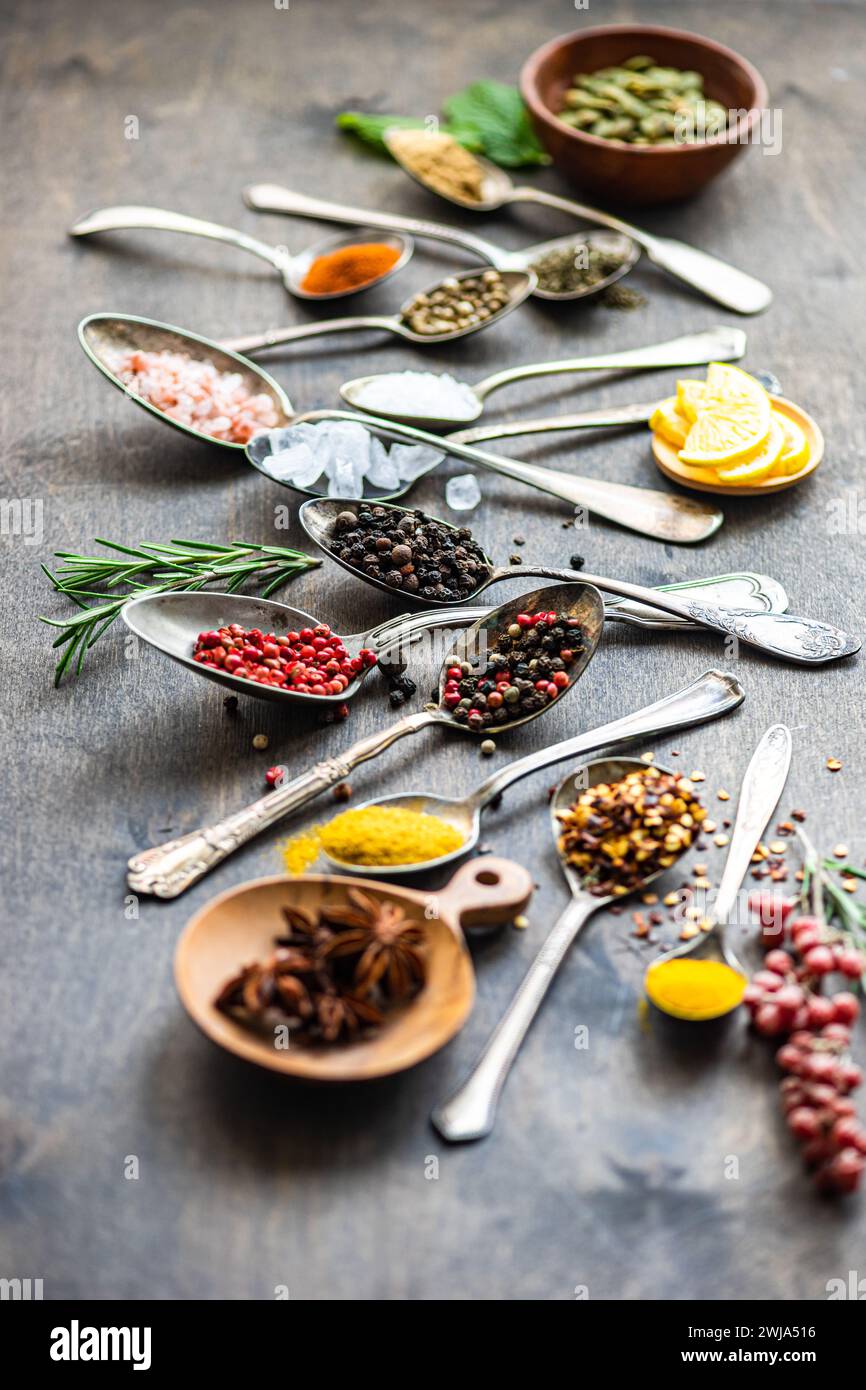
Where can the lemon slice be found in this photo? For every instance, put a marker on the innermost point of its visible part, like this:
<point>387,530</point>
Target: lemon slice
<point>690,397</point>
<point>763,462</point>
<point>728,385</point>
<point>667,421</point>
<point>795,454</point>
<point>733,420</point>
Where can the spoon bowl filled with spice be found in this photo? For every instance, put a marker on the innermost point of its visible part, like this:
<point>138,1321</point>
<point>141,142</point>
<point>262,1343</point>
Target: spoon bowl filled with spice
<point>330,269</point>
<point>482,688</point>
<point>406,833</point>
<point>440,401</point>
<point>565,268</point>
<point>436,564</point>
<point>618,824</point>
<point>189,382</point>
<point>258,647</point>
<point>338,979</point>
<point>705,273</point>
<point>452,307</point>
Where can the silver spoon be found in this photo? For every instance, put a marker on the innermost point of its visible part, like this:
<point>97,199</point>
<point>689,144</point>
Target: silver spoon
<point>166,870</point>
<point>763,784</point>
<point>613,416</point>
<point>664,516</point>
<point>712,694</point>
<point>719,344</point>
<point>518,283</point>
<point>470,1112</point>
<point>103,335</point>
<point>172,622</point>
<point>269,197</point>
<point>291,269</point>
<point>711,276</point>
<point>783,635</point>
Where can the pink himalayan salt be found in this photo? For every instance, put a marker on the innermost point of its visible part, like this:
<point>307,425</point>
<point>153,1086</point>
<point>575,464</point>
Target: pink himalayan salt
<point>195,393</point>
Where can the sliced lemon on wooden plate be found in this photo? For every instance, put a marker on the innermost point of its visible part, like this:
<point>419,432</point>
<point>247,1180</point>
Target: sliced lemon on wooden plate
<point>733,420</point>
<point>690,397</point>
<point>795,454</point>
<point>763,462</point>
<point>667,421</point>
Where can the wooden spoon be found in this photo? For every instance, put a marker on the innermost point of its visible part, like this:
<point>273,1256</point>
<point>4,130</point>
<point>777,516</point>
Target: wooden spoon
<point>239,926</point>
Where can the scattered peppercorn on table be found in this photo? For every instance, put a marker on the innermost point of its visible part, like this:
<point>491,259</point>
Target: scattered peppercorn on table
<point>610,1165</point>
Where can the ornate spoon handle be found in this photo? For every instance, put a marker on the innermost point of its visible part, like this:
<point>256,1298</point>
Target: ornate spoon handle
<point>783,635</point>
<point>471,1111</point>
<point>169,869</point>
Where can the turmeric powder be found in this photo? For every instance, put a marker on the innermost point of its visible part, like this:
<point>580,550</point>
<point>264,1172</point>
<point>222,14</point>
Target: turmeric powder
<point>376,835</point>
<point>695,990</point>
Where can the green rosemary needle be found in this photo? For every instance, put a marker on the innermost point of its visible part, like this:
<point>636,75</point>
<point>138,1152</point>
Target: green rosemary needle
<point>92,582</point>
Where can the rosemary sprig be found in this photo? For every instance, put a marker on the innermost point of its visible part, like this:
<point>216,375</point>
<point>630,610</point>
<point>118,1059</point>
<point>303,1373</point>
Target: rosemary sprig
<point>177,566</point>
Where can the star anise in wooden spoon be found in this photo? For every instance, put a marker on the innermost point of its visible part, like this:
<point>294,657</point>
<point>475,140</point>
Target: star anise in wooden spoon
<point>340,1017</point>
<point>385,942</point>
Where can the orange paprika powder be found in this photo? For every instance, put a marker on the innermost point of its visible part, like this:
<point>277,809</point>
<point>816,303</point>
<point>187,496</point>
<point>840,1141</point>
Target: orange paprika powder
<point>349,267</point>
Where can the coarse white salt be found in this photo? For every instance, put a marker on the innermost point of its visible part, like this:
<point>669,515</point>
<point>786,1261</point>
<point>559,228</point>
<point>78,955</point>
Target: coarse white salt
<point>423,394</point>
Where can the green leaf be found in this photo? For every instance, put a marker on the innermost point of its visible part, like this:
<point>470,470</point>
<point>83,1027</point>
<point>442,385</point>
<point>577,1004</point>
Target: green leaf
<point>370,128</point>
<point>497,114</point>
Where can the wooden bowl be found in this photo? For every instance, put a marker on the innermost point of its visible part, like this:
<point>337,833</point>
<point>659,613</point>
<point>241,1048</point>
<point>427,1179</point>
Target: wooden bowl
<point>621,173</point>
<point>667,458</point>
<point>239,927</point>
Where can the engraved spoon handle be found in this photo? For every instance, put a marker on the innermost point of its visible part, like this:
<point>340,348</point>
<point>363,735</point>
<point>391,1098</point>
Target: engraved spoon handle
<point>470,1112</point>
<point>169,869</point>
<point>130,216</point>
<point>271,197</point>
<point>806,641</point>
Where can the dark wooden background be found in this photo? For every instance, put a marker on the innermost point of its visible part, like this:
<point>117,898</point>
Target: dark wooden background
<point>608,1166</point>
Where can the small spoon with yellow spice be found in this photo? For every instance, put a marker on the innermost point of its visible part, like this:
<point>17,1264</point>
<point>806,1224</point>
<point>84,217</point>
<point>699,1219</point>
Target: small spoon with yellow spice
<point>618,824</point>
<point>703,979</point>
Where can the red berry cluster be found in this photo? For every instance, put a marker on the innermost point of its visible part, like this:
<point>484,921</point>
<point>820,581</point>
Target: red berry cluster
<point>311,662</point>
<point>784,1000</point>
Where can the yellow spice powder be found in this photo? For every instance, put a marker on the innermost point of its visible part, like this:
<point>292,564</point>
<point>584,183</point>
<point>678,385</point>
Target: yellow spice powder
<point>374,835</point>
<point>388,835</point>
<point>694,989</point>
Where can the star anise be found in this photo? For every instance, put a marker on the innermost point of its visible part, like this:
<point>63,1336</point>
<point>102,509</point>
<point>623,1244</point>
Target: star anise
<point>384,942</point>
<point>340,1017</point>
<point>305,929</point>
<point>273,983</point>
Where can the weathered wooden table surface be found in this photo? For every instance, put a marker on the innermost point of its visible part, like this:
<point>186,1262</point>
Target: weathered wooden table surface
<point>611,1168</point>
